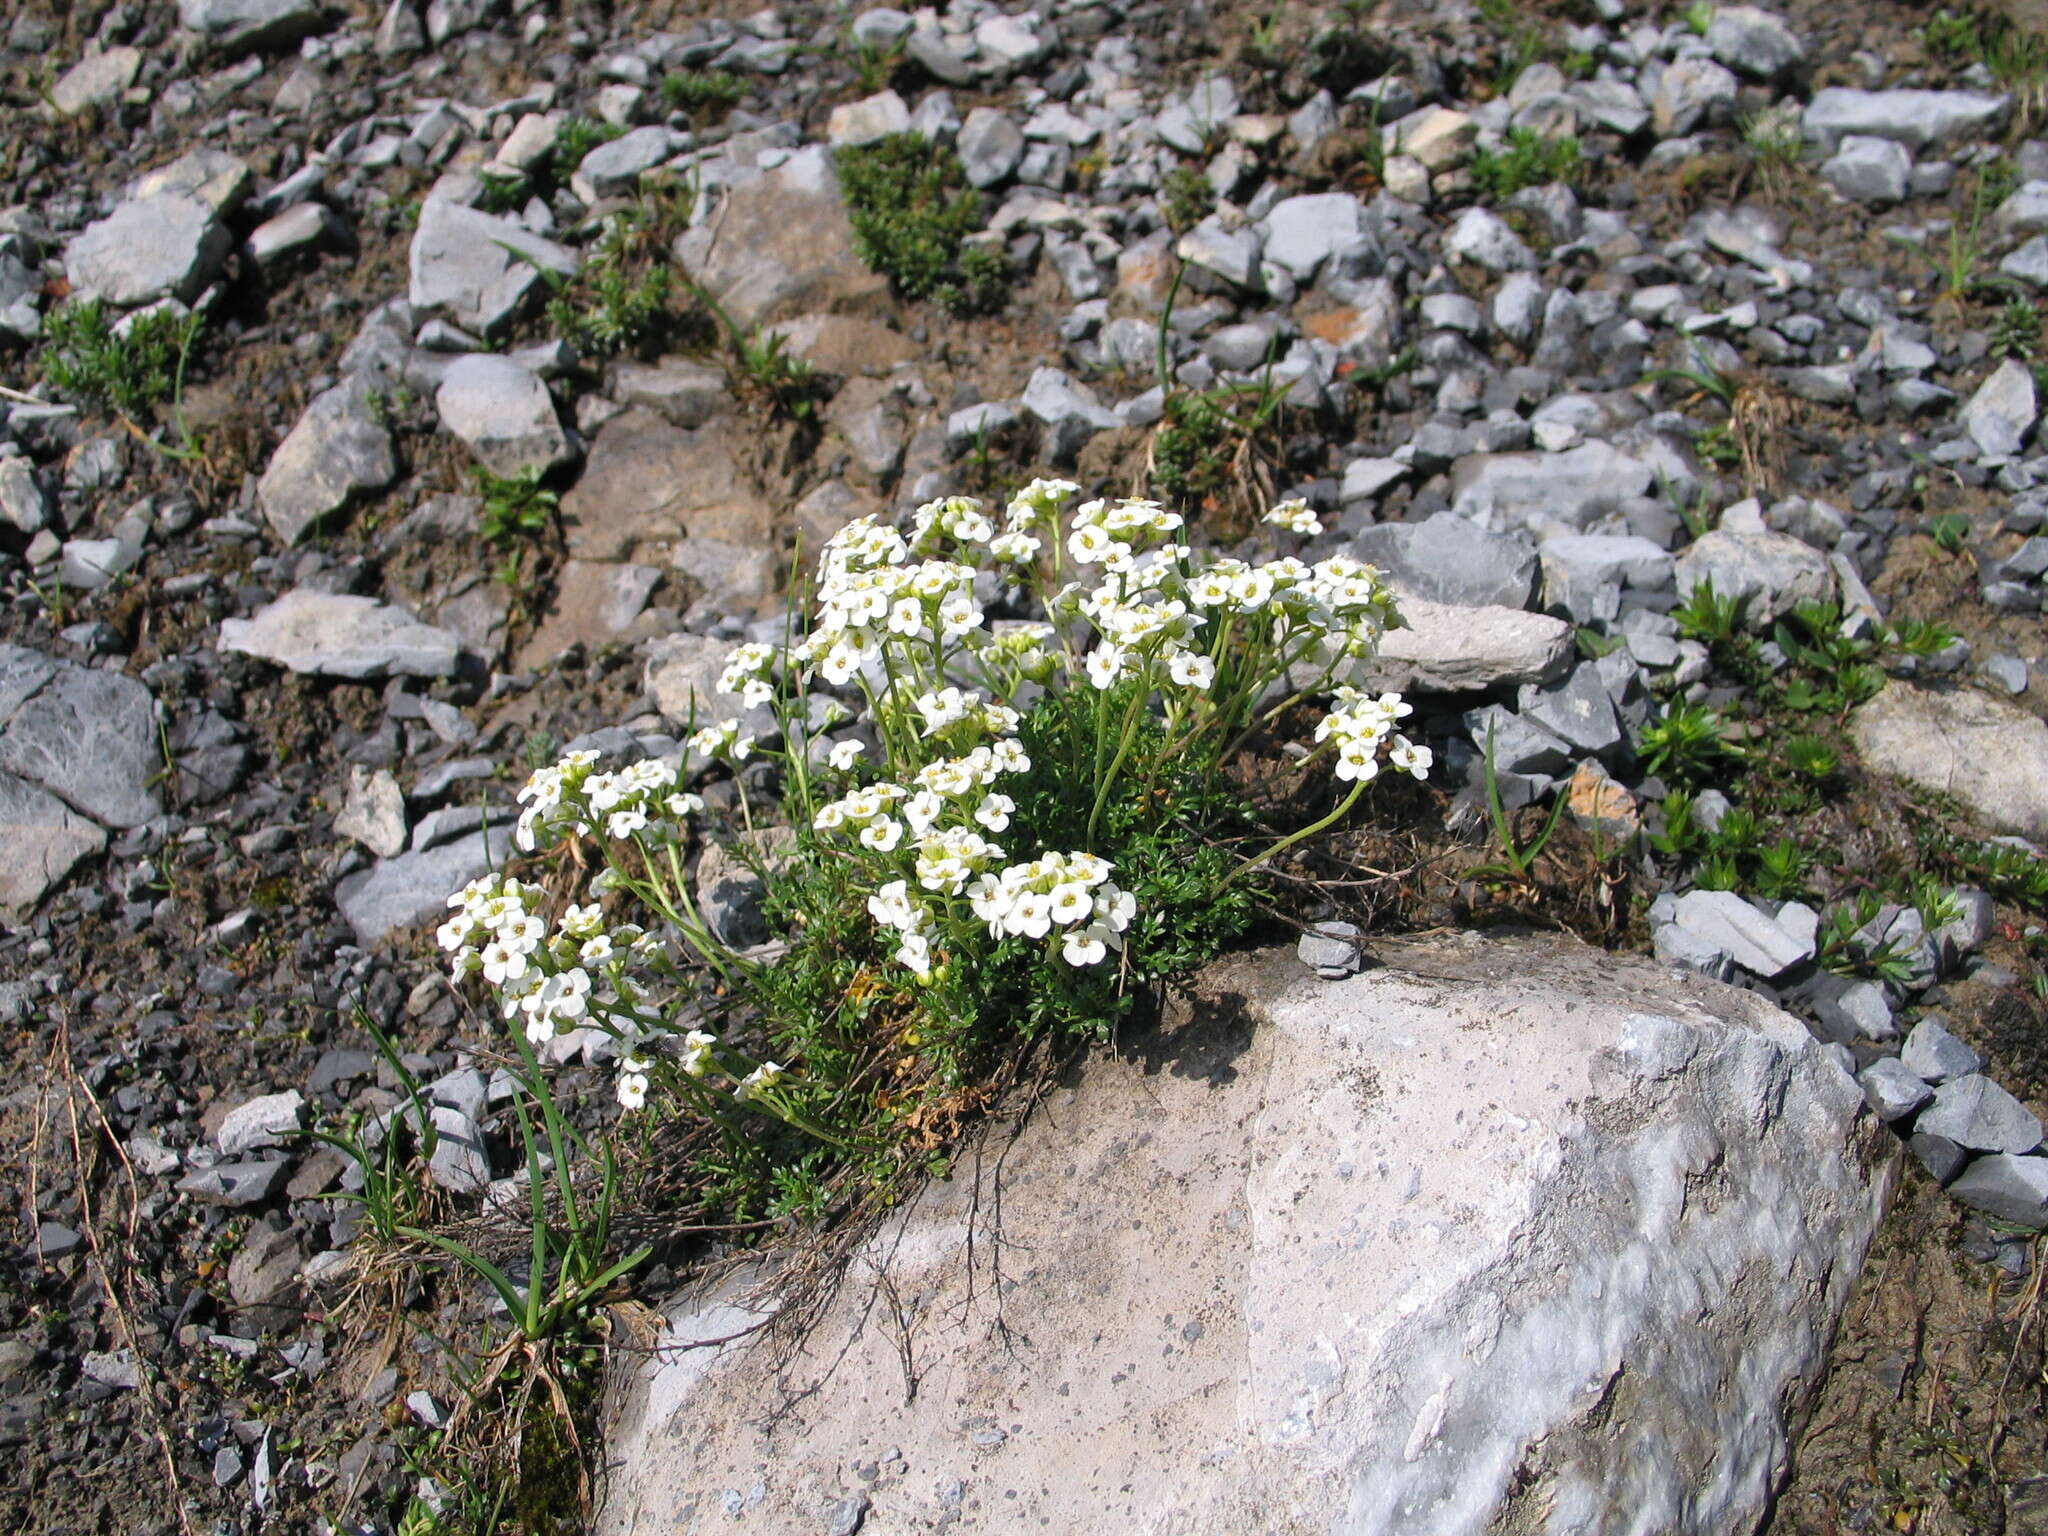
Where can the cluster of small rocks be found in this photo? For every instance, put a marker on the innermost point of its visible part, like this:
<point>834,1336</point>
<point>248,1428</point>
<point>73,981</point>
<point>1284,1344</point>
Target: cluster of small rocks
<point>314,722</point>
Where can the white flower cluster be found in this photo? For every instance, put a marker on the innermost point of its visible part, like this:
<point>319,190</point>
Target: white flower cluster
<point>571,797</point>
<point>552,979</point>
<point>1069,891</point>
<point>1360,724</point>
<point>746,673</point>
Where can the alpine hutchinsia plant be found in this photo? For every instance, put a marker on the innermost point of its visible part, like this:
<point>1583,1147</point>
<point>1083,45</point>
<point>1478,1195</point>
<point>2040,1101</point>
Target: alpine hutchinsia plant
<point>1004,760</point>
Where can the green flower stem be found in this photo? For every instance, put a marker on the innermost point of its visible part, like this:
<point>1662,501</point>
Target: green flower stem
<point>1285,843</point>
<point>1123,750</point>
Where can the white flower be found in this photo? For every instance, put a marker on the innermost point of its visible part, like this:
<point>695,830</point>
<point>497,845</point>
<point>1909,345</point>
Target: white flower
<point>844,755</point>
<point>1090,543</point>
<point>1084,946</point>
<point>915,953</point>
<point>1294,515</point>
<point>1356,761</point>
<point>503,963</point>
<point>623,824</point>
<point>697,1052</point>
<point>766,1075</point>
<point>891,906</point>
<point>994,811</point>
<point>1115,908</point>
<point>1030,915</point>
<point>882,834</point>
<point>1411,758</point>
<point>1191,669</point>
<point>1105,665</point>
<point>1070,903</point>
<point>632,1088</point>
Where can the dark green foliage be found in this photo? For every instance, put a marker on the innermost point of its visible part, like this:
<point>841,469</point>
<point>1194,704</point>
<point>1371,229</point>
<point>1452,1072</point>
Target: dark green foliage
<point>912,212</point>
<point>1526,159</point>
<point>1684,744</point>
<point>1203,434</point>
<point>709,93</point>
<point>577,137</point>
<point>133,374</point>
<point>1708,617</point>
<point>1949,530</point>
<point>619,302</point>
<point>2017,330</point>
<point>516,508</point>
<point>1186,197</point>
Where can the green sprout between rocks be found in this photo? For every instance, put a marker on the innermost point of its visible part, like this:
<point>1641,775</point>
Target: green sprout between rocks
<point>517,513</point>
<point>912,213</point>
<point>131,370</point>
<point>1186,197</point>
<point>1518,859</point>
<point>619,301</point>
<point>708,93</point>
<point>1949,530</point>
<point>972,836</point>
<point>1684,744</point>
<point>1525,159</point>
<point>2017,330</point>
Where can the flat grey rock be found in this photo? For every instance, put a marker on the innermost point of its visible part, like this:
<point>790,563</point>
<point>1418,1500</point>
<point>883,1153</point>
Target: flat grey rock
<point>2013,1189</point>
<point>1916,119</point>
<point>1304,232</point>
<point>338,452</point>
<point>2002,411</point>
<point>867,120</point>
<point>414,888</point>
<point>1448,558</point>
<point>477,267</point>
<point>1189,123</point>
<point>1754,41</point>
<point>374,812</point>
<point>1690,93</point>
<point>1891,1090</point>
<point>1464,649</point>
<point>266,1121</point>
<point>1936,1056</point>
<point>1577,709</point>
<point>89,737</point>
<point>334,634</point>
<point>1231,254</point>
<point>1973,1111</point>
<point>990,145</point>
<point>1331,950</point>
<point>167,246</point>
<point>1576,486</point>
<point>96,80</point>
<point>1869,170</point>
<point>235,1184</point>
<point>614,169</point>
<point>782,242</point>
<point>1745,933</point>
<point>1070,411</point>
<point>504,415</point>
<point>1773,572</point>
<point>239,26</point>
<point>1485,240</point>
<point>1989,753</point>
<point>41,840</point>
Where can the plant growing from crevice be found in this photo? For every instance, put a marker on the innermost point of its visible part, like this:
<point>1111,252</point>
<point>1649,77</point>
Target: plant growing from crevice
<point>619,302</point>
<point>1186,197</point>
<point>912,213</point>
<point>128,371</point>
<point>1525,159</point>
<point>705,95</point>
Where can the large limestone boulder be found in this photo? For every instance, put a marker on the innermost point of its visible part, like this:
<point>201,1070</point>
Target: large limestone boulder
<point>1505,1236</point>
